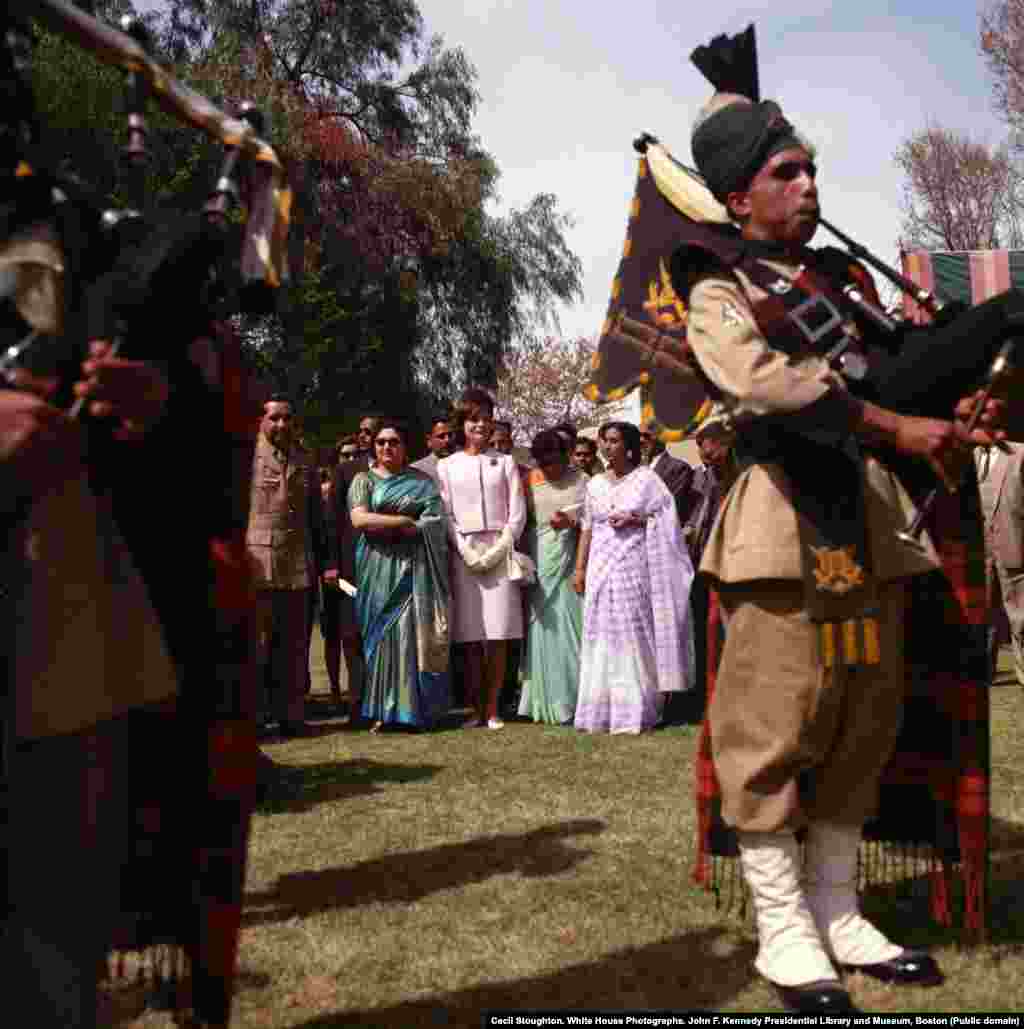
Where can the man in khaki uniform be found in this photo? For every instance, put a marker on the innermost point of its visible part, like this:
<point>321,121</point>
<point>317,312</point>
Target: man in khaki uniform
<point>285,537</point>
<point>802,719</point>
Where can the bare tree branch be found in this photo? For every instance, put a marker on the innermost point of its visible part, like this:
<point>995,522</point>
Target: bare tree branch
<point>540,385</point>
<point>959,194</point>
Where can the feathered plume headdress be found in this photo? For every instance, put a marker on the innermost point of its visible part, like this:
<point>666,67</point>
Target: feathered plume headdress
<point>736,131</point>
<point>729,63</point>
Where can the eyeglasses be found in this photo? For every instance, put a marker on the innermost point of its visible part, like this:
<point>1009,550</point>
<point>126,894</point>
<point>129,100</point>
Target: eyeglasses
<point>388,442</point>
<point>365,432</point>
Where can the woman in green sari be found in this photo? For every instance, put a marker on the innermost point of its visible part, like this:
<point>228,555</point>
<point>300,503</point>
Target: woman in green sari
<point>402,592</point>
<point>550,669</point>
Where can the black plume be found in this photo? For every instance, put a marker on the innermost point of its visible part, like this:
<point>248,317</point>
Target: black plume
<point>642,141</point>
<point>729,63</point>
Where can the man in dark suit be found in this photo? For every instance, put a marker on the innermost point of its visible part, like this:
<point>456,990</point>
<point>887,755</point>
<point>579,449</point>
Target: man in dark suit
<point>711,481</point>
<point>338,616</point>
<point>674,472</point>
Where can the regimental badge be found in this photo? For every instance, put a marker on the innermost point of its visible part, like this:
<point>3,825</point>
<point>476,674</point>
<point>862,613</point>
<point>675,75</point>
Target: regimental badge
<point>780,287</point>
<point>730,315</point>
<point>663,305</point>
<point>837,571</point>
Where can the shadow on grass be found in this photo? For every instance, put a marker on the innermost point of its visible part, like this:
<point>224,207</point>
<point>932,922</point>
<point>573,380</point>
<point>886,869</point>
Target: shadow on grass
<point>702,970</point>
<point>406,877</point>
<point>292,788</point>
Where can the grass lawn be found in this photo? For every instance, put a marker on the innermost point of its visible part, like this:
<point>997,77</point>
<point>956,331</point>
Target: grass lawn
<point>407,880</point>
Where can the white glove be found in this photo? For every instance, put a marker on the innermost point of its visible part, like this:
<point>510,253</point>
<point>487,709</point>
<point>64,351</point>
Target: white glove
<point>484,560</point>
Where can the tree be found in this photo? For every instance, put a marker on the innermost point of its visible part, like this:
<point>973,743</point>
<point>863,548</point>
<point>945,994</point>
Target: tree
<point>959,194</point>
<point>420,288</point>
<point>1002,46</point>
<point>540,385</point>
<point>405,286</point>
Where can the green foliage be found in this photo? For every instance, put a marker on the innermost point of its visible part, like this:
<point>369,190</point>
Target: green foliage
<point>405,287</point>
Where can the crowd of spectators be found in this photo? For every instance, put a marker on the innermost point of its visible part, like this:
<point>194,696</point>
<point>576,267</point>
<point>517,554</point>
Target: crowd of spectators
<point>548,583</point>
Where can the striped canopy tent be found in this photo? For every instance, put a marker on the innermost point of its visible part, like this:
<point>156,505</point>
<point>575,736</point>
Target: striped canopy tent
<point>970,276</point>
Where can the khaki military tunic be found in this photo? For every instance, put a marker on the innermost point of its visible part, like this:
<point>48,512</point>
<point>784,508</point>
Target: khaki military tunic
<point>793,741</point>
<point>283,518</point>
<point>756,535</point>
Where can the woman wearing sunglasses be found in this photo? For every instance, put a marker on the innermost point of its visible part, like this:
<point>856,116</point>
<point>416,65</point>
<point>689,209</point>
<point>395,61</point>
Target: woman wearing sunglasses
<point>402,587</point>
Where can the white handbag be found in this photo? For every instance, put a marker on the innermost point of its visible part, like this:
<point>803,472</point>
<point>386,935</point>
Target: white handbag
<point>521,569</point>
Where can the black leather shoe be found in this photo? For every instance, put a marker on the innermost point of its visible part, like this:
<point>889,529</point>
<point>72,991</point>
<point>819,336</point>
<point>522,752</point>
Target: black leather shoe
<point>818,998</point>
<point>911,968</point>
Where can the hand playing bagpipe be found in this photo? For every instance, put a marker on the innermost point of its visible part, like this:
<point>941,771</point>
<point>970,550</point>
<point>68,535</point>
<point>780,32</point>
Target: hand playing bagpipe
<point>133,393</point>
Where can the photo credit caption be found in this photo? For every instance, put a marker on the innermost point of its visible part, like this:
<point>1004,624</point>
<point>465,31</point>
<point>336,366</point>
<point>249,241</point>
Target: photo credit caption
<point>653,1020</point>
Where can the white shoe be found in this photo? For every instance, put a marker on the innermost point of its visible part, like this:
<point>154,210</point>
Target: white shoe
<point>790,950</point>
<point>495,723</point>
<point>831,856</point>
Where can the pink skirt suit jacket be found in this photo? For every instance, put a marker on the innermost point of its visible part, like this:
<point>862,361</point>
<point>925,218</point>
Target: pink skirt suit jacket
<point>486,508</point>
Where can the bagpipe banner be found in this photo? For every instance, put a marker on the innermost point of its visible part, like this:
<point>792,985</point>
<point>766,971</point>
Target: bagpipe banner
<point>642,343</point>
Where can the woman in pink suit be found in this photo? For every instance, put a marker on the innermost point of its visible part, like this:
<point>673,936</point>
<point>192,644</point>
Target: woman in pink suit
<point>486,508</point>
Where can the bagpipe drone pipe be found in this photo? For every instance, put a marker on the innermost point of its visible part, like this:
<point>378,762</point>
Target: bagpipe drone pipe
<point>159,286</point>
<point>920,370</point>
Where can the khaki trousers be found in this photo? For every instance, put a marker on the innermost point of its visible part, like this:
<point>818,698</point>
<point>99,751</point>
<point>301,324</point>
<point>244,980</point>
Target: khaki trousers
<point>794,742</point>
<point>281,654</point>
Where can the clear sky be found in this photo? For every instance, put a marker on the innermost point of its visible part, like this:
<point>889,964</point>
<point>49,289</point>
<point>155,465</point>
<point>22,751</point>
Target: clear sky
<point>568,84</point>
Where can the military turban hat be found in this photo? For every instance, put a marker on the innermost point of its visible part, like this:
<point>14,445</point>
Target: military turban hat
<point>731,144</point>
<point>737,131</point>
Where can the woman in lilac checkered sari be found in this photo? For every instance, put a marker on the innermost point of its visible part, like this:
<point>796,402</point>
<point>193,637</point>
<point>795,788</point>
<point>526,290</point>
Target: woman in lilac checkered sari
<point>635,573</point>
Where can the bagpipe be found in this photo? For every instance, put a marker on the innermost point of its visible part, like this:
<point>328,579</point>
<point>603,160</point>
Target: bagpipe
<point>166,513</point>
<point>912,369</point>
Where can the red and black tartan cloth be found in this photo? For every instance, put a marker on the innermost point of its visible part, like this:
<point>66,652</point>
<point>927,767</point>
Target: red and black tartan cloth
<point>934,799</point>
<point>183,865</point>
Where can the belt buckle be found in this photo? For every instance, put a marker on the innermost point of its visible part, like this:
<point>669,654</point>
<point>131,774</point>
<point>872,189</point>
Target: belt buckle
<point>801,311</point>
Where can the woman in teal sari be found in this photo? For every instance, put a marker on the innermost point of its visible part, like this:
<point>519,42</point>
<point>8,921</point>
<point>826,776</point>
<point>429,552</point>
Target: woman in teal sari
<point>550,669</point>
<point>402,592</point>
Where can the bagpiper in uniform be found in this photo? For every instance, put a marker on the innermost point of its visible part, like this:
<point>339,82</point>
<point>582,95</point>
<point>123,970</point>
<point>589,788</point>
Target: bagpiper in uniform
<point>806,561</point>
